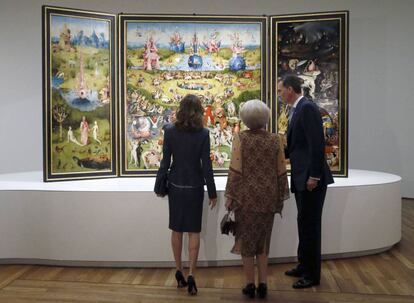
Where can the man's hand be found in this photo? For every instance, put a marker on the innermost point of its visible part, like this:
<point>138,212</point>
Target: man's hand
<point>311,184</point>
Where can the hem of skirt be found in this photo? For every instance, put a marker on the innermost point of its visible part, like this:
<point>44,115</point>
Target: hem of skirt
<point>244,256</point>
<point>236,252</point>
<point>184,231</point>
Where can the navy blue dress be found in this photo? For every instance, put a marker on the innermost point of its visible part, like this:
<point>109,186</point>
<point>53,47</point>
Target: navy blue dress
<point>189,170</point>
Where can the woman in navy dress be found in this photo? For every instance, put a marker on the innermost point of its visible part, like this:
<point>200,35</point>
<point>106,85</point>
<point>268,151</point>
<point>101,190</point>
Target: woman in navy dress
<point>187,142</point>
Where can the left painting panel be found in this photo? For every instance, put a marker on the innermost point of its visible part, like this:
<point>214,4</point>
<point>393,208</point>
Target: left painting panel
<point>79,94</point>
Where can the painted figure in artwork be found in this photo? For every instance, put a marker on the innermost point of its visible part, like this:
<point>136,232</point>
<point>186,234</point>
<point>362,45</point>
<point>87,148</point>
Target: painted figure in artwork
<point>71,136</point>
<point>151,57</point>
<point>95,130</point>
<point>136,151</point>
<point>84,130</point>
<point>208,116</point>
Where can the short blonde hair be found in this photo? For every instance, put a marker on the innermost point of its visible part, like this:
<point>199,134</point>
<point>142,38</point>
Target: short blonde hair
<point>254,114</point>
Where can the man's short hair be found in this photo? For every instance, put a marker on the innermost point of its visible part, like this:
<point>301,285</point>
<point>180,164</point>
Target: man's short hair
<point>294,82</point>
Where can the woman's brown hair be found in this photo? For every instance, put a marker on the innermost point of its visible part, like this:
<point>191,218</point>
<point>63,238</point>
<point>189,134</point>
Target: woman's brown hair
<point>190,114</point>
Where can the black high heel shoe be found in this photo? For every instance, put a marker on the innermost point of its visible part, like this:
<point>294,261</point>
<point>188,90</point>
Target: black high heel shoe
<point>249,290</point>
<point>180,279</point>
<point>262,290</point>
<point>192,288</point>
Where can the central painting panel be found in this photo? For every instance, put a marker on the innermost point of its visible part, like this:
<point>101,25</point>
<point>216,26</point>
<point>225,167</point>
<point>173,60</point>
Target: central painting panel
<point>163,58</point>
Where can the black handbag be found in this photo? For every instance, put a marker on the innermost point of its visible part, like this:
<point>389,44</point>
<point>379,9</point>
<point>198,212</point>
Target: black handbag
<point>161,185</point>
<point>227,224</point>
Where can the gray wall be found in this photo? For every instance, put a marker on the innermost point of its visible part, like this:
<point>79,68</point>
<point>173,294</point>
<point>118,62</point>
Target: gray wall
<point>381,126</point>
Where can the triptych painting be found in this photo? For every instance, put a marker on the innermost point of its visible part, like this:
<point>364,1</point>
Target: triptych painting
<point>111,83</point>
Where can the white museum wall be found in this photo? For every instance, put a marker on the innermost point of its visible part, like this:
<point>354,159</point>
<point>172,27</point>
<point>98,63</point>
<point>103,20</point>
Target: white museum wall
<point>381,68</point>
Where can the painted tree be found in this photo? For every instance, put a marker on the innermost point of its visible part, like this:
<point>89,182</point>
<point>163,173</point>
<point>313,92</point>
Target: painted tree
<point>60,113</point>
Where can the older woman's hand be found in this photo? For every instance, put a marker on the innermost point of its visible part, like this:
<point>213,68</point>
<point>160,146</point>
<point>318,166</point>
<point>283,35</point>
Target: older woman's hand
<point>228,204</point>
<point>212,203</point>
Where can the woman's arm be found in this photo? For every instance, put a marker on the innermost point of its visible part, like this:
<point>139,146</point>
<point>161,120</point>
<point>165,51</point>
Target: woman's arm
<point>208,168</point>
<point>235,176</point>
<point>164,166</point>
<point>282,179</point>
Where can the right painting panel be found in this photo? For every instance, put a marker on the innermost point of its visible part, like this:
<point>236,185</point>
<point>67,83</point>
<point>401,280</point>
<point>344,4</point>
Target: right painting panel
<point>315,48</point>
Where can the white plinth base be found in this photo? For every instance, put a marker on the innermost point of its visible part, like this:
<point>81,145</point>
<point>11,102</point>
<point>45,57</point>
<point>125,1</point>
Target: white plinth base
<point>120,222</point>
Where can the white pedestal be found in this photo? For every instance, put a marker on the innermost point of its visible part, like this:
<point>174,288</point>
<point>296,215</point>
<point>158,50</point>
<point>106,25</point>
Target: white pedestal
<point>120,222</point>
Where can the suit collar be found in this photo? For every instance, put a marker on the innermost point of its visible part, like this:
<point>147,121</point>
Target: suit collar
<point>297,106</point>
<point>297,101</point>
<point>300,102</point>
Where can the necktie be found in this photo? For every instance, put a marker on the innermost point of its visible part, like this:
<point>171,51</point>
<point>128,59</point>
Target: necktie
<point>291,112</point>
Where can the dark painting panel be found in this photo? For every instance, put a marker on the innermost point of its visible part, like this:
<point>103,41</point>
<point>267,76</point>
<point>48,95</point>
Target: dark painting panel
<point>315,48</point>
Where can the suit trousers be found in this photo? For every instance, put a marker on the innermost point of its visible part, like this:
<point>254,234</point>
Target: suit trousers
<point>310,204</point>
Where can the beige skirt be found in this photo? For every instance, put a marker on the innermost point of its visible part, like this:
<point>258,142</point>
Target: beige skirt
<point>253,233</point>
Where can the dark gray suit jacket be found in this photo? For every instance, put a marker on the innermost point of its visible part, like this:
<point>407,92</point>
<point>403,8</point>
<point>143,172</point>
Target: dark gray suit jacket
<point>191,163</point>
<point>306,147</point>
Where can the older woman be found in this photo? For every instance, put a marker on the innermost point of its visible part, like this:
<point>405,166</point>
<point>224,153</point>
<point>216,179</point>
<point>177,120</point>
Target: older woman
<point>256,188</point>
<point>188,142</point>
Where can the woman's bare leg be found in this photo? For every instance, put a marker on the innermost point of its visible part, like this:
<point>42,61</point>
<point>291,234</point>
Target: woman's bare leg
<point>193,248</point>
<point>177,246</point>
<point>248,269</point>
<point>262,267</point>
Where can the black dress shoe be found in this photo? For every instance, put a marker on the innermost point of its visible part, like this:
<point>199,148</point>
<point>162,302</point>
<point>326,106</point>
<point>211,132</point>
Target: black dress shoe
<point>294,273</point>
<point>262,290</point>
<point>249,290</point>
<point>304,283</point>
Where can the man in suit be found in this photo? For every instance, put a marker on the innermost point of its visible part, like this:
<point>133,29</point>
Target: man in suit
<point>310,176</point>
